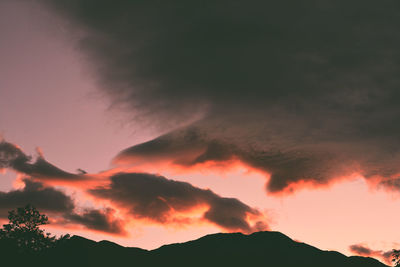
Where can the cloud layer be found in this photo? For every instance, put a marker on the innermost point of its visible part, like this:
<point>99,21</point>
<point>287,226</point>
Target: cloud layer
<point>307,91</point>
<point>160,200</point>
<point>134,195</point>
<point>191,147</point>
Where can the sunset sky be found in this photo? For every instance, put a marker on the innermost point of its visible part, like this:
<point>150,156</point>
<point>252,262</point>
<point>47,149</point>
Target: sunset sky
<point>154,122</point>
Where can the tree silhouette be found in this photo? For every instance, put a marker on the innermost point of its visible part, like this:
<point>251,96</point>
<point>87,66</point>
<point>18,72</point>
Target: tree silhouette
<point>23,231</point>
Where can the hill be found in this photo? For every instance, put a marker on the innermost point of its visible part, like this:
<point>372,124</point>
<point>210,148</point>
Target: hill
<point>236,249</point>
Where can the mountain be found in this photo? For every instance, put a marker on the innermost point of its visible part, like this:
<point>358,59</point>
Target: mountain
<point>258,249</point>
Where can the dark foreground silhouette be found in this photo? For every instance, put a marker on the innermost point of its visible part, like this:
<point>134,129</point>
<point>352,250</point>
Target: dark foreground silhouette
<point>258,249</point>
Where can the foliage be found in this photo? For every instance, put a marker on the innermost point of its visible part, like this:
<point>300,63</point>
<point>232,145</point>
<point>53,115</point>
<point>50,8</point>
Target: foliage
<point>24,233</point>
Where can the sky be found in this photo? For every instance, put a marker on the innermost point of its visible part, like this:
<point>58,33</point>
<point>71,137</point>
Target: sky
<point>147,123</point>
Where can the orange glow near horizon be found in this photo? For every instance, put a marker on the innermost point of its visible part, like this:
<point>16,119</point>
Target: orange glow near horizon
<point>324,224</point>
<point>330,216</point>
<point>337,213</point>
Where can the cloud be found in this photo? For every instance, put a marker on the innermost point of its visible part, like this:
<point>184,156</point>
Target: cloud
<point>162,200</point>
<point>43,198</point>
<point>363,250</point>
<point>190,147</point>
<point>12,156</point>
<point>391,184</point>
<point>306,91</point>
<point>98,220</point>
<point>145,195</point>
<point>58,205</point>
<point>171,57</point>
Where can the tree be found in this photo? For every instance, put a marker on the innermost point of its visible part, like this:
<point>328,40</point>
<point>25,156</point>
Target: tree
<point>24,233</point>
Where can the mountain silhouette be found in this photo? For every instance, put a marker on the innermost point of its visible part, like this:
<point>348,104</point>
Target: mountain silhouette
<point>235,249</point>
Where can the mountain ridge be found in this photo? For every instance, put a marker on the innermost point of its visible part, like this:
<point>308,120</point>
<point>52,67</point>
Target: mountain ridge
<point>265,248</point>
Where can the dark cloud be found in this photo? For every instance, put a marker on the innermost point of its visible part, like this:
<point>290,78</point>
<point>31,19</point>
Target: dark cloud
<point>362,250</point>
<point>160,199</point>
<point>43,169</point>
<point>46,199</point>
<point>307,90</point>
<point>146,196</point>
<point>230,213</point>
<point>57,203</point>
<point>169,57</point>
<point>190,146</point>
<point>391,184</point>
<point>97,220</point>
<point>11,156</point>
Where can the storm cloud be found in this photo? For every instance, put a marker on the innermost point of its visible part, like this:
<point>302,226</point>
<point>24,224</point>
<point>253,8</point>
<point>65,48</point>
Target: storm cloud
<point>161,200</point>
<point>304,90</point>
